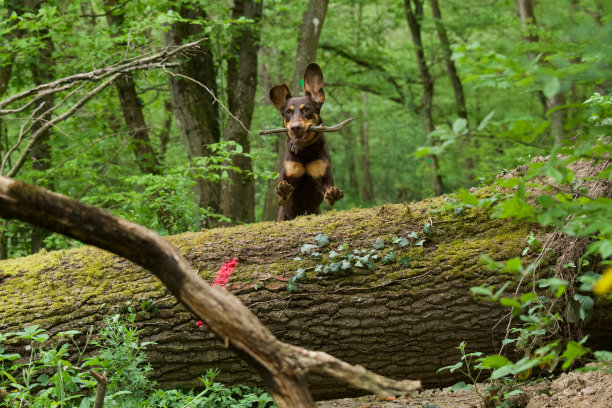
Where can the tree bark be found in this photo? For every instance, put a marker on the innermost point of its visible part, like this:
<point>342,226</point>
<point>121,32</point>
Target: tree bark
<point>42,72</point>
<point>308,43</point>
<point>414,18</point>
<point>193,90</point>
<point>131,106</point>
<point>401,321</point>
<point>238,191</point>
<point>367,192</point>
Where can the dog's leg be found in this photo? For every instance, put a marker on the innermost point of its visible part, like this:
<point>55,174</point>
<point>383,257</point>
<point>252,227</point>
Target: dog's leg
<point>333,194</point>
<point>320,171</point>
<point>290,174</point>
<point>283,192</point>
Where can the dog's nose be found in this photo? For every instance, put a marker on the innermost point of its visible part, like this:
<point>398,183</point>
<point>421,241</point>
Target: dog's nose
<point>296,127</point>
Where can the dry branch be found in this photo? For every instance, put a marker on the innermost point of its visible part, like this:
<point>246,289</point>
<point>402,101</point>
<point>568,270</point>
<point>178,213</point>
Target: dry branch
<point>153,60</point>
<point>282,366</point>
<point>74,83</point>
<point>321,128</point>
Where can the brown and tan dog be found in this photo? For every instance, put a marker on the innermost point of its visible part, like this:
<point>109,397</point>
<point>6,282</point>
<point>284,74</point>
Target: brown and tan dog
<point>306,177</point>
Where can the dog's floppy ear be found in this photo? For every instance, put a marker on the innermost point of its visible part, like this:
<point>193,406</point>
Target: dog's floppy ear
<point>313,83</point>
<point>279,95</point>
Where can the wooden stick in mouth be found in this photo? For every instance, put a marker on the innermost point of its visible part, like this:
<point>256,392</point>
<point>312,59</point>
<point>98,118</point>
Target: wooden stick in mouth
<point>321,128</point>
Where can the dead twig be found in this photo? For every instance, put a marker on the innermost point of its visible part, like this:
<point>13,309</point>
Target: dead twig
<point>321,128</point>
<point>100,389</point>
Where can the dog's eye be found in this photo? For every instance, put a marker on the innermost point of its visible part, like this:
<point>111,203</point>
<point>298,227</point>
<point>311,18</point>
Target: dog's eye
<point>306,109</point>
<point>288,112</point>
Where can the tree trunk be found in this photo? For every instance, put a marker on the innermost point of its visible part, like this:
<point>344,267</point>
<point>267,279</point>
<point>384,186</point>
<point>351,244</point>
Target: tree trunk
<point>42,72</point>
<point>414,19</point>
<point>367,192</point>
<point>400,321</point>
<point>193,91</point>
<point>238,192</point>
<point>131,106</point>
<point>526,14</point>
<point>308,42</point>
<point>453,76</point>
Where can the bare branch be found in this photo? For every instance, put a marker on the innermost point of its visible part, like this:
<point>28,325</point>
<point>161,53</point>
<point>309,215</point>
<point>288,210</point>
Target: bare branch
<point>34,137</point>
<point>321,128</point>
<point>153,60</point>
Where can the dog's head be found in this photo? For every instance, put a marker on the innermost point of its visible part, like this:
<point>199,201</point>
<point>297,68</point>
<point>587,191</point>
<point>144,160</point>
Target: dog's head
<point>302,112</point>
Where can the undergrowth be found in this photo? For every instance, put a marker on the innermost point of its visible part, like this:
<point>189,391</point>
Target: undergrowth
<point>52,372</point>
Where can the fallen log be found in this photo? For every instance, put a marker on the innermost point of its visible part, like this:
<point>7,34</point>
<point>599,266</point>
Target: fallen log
<point>402,320</point>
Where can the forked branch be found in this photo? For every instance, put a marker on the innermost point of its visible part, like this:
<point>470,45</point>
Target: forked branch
<point>321,128</point>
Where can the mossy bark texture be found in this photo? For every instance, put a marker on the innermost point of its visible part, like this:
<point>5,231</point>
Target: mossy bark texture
<point>401,322</point>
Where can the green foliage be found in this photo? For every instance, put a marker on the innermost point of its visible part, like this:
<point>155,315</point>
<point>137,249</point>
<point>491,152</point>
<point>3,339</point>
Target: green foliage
<point>343,260</point>
<point>547,193</point>
<point>53,373</point>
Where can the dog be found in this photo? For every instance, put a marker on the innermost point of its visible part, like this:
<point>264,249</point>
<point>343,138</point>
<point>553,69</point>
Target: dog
<point>306,178</point>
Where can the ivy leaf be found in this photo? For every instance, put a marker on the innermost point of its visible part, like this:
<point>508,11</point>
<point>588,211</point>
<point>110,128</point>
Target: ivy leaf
<point>300,273</point>
<point>308,248</point>
<point>379,244</point>
<point>322,240</point>
<point>389,258</point>
<point>413,235</point>
<point>405,261</point>
<point>292,286</point>
<point>403,242</point>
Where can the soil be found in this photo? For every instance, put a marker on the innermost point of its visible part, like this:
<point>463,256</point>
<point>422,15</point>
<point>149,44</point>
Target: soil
<point>572,390</point>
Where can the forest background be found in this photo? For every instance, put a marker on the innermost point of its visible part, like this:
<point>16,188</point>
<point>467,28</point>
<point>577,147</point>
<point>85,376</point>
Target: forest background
<point>445,95</point>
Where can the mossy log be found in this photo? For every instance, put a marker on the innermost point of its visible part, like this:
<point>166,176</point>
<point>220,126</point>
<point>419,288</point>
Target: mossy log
<point>399,321</point>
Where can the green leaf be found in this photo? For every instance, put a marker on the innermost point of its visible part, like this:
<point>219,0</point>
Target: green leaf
<point>322,240</point>
<point>605,356</point>
<point>485,121</point>
<point>460,125</point>
<point>573,350</point>
<point>551,87</point>
<point>513,265</point>
<point>461,386</point>
<point>514,303</point>
<point>494,361</point>
<point>379,244</point>
<point>389,258</point>
<point>308,248</point>
<point>422,151</point>
<point>546,201</point>
<point>466,197</point>
<point>451,368</point>
<point>292,286</point>
<point>480,290</point>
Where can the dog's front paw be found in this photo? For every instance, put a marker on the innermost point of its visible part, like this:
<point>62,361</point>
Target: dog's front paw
<point>332,195</point>
<point>283,192</point>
